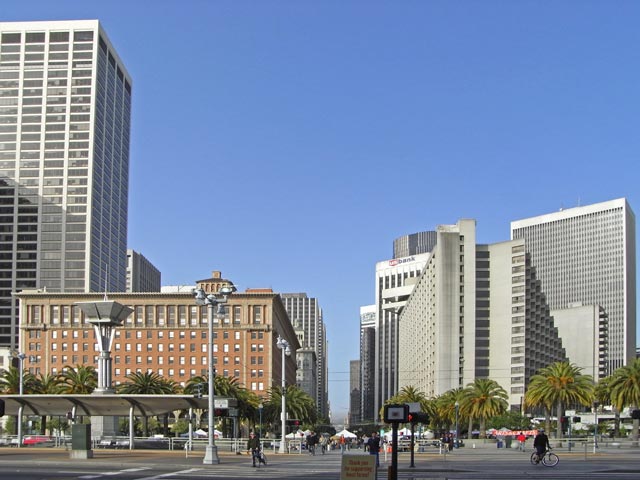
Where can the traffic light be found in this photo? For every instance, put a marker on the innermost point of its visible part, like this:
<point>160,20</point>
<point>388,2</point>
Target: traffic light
<point>221,412</point>
<point>576,419</point>
<point>293,422</point>
<point>564,424</point>
<point>418,417</point>
<point>635,414</point>
<point>1,408</point>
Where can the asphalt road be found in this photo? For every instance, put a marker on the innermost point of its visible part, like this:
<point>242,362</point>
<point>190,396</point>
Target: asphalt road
<point>479,463</point>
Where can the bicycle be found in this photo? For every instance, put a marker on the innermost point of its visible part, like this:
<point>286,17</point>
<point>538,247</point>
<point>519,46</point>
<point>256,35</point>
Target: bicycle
<point>548,458</point>
<point>260,457</point>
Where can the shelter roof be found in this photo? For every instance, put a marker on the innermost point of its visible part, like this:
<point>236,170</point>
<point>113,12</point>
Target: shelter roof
<point>103,404</point>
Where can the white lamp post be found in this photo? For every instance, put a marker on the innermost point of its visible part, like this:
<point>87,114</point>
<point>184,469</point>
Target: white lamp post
<point>20,357</point>
<point>211,300</point>
<point>457,405</point>
<point>283,345</point>
<point>260,410</point>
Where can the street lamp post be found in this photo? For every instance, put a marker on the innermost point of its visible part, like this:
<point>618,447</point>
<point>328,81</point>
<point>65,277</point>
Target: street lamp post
<point>20,357</point>
<point>211,301</point>
<point>595,430</point>
<point>260,411</point>
<point>457,405</point>
<point>283,345</point>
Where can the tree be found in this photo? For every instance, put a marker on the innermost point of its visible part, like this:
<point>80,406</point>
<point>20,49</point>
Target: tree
<point>82,380</point>
<point>10,381</point>
<point>625,390</point>
<point>45,383</point>
<point>602,395</point>
<point>147,383</point>
<point>299,405</point>
<point>560,384</point>
<point>483,399</point>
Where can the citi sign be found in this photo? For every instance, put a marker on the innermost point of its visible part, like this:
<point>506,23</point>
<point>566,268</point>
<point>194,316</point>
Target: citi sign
<point>400,261</point>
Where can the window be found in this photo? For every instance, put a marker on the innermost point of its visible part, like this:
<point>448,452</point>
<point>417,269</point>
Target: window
<point>257,315</point>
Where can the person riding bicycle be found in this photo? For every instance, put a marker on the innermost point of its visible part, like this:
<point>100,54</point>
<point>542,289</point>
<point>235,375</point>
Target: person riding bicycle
<point>253,445</point>
<point>541,443</point>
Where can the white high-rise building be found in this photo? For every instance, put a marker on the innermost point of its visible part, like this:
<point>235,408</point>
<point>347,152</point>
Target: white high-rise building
<point>65,109</point>
<point>395,280</point>
<point>477,311</point>
<point>587,255</point>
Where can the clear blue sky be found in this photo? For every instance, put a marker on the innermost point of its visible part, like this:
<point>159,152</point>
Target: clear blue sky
<point>287,143</point>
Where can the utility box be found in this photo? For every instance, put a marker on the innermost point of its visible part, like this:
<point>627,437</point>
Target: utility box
<point>81,441</point>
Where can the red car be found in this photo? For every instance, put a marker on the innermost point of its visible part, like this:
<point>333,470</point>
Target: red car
<point>35,439</point>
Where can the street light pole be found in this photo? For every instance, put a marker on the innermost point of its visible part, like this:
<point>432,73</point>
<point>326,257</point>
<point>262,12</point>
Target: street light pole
<point>20,357</point>
<point>457,405</point>
<point>260,410</point>
<point>283,345</point>
<point>211,450</point>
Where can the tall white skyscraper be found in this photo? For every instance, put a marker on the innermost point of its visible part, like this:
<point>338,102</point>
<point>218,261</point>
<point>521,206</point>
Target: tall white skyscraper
<point>395,280</point>
<point>65,108</point>
<point>587,255</point>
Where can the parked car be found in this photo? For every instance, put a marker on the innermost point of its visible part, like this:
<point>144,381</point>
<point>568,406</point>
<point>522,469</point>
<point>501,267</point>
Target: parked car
<point>35,440</point>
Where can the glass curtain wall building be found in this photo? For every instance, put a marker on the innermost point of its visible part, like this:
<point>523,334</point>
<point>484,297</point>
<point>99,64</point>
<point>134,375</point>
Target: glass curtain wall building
<point>65,109</point>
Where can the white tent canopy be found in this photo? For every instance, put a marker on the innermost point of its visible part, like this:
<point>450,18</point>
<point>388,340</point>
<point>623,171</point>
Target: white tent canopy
<point>346,433</point>
<point>298,434</point>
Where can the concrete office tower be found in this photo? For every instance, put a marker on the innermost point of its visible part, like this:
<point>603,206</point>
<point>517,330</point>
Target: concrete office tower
<point>395,280</point>
<point>588,255</point>
<point>142,275</point>
<point>367,363</point>
<point>414,244</point>
<point>306,315</point>
<point>585,330</point>
<point>354,391</point>
<point>476,312</point>
<point>64,162</point>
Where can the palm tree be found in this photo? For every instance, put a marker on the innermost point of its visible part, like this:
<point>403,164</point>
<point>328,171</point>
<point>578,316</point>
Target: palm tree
<point>45,383</point>
<point>560,384</point>
<point>625,391</point>
<point>602,395</point>
<point>147,383</point>
<point>10,381</point>
<point>482,399</point>
<point>299,405</point>
<point>83,379</point>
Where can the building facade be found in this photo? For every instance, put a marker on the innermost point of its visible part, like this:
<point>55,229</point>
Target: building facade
<point>395,280</point>
<point>306,316</point>
<point>587,255</point>
<point>64,162</point>
<point>167,333</point>
<point>354,392</point>
<point>367,363</point>
<point>142,275</point>
<point>477,311</point>
<point>414,244</point>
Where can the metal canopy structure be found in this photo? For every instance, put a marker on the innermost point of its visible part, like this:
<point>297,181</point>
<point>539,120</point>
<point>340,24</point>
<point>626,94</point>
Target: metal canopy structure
<point>106,405</point>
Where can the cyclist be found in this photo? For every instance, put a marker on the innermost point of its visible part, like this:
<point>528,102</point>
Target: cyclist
<point>541,444</point>
<point>253,445</point>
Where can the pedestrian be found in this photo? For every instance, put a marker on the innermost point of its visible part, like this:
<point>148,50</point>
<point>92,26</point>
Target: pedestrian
<point>374,447</point>
<point>450,442</point>
<point>343,443</point>
<point>253,446</point>
<point>323,443</point>
<point>312,440</point>
<point>522,438</point>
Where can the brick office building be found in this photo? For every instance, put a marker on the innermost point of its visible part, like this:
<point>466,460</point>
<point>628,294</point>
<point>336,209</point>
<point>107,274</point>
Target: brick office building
<point>166,333</point>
